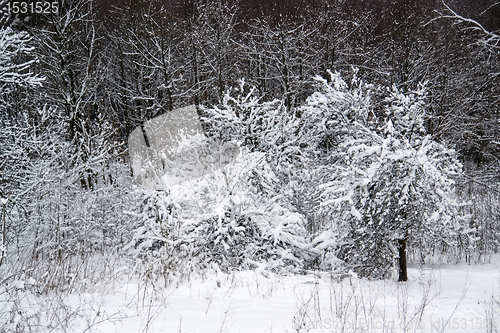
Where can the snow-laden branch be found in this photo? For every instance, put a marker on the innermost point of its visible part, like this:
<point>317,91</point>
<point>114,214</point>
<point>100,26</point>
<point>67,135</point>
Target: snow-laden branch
<point>11,45</point>
<point>490,39</point>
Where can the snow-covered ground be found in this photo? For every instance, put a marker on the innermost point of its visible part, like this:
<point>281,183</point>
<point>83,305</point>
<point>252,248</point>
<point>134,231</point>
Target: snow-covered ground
<point>447,298</point>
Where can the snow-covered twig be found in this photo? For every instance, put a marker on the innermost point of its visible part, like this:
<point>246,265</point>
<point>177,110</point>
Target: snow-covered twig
<point>490,39</point>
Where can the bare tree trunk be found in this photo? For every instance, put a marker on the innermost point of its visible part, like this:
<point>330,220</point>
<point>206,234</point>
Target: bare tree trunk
<point>403,273</point>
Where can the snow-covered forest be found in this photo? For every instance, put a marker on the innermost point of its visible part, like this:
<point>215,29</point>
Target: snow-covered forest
<point>369,154</point>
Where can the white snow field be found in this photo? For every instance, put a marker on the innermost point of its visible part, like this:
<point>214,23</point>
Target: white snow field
<point>445,298</point>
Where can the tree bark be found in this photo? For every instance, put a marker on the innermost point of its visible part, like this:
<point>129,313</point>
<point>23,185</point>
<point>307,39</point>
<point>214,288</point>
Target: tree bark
<point>403,272</point>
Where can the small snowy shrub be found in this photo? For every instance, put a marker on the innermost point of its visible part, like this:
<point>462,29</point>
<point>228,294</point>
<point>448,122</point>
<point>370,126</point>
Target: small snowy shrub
<point>223,220</point>
<point>158,242</point>
<point>231,242</point>
<point>236,225</point>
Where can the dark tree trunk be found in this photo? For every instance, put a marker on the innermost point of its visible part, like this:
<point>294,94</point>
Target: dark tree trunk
<point>403,273</point>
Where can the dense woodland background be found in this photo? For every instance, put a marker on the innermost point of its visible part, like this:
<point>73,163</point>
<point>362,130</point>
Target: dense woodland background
<point>76,83</point>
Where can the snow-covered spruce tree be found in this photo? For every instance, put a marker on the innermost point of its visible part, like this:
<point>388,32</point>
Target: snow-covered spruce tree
<point>391,183</point>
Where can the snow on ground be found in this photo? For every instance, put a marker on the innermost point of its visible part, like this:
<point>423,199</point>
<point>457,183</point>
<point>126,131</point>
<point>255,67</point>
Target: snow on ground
<point>448,298</point>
